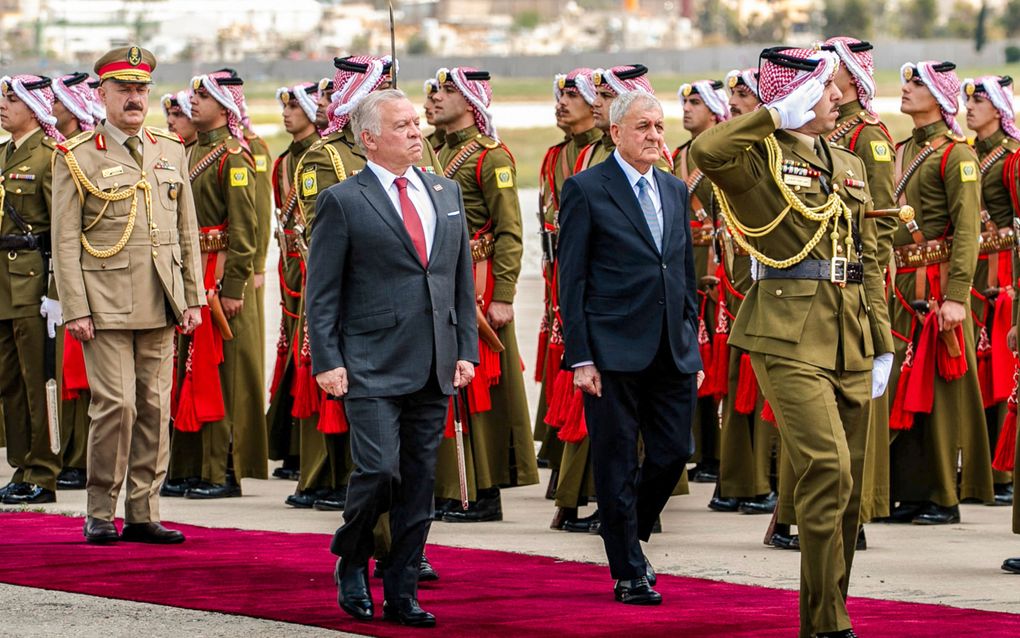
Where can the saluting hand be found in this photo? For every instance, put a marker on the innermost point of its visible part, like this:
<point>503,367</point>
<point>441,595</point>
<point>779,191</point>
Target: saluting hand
<point>191,319</point>
<point>588,380</point>
<point>333,382</point>
<point>81,329</point>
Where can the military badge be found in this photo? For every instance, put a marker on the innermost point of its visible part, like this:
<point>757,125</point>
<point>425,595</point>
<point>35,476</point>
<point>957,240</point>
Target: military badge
<point>164,164</point>
<point>113,170</point>
<point>734,79</point>
<point>881,151</point>
<point>504,177</point>
<point>968,172</point>
<point>239,177</point>
<point>429,169</point>
<point>686,90</point>
<point>309,185</point>
<point>261,163</point>
<point>134,56</point>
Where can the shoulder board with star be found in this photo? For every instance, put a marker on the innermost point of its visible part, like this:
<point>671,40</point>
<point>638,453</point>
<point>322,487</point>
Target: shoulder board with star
<point>77,140</point>
<point>487,141</point>
<point>162,132</point>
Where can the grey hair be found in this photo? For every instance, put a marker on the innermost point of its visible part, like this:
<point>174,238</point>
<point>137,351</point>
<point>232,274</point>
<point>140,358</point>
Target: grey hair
<point>623,103</point>
<point>367,116</point>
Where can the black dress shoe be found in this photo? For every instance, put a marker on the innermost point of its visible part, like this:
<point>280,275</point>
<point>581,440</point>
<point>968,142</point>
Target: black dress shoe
<point>153,533</point>
<point>12,487</point>
<point>902,513</point>
<point>938,515</point>
<point>481,511</point>
<point>205,491</point>
<point>844,633</point>
<point>760,505</point>
<point>582,525</point>
<point>333,501</point>
<point>444,505</point>
<point>720,504</point>
<point>650,573</point>
<point>1011,565</point>
<point>71,478</point>
<point>426,572</point>
<point>862,541</point>
<point>543,464</point>
<point>563,516</point>
<point>786,541</point>
<point>304,499</point>
<point>30,494</point>
<point>287,473</point>
<point>636,592</point>
<point>100,532</point>
<point>1003,494</point>
<point>178,487</point>
<point>352,593</point>
<point>406,611</point>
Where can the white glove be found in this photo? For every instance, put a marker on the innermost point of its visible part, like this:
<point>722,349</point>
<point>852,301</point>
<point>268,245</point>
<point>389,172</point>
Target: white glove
<point>50,309</point>
<point>880,370</point>
<point>795,109</point>
<point>754,269</point>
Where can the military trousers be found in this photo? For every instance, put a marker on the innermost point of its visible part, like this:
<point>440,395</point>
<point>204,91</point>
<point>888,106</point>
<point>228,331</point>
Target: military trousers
<point>130,374</point>
<point>823,423</point>
<point>23,393</point>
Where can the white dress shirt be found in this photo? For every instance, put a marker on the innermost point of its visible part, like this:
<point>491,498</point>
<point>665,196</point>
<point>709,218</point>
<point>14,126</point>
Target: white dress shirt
<point>632,178</point>
<point>418,194</point>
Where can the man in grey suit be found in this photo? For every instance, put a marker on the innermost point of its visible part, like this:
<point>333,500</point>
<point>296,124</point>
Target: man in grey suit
<point>391,323</point>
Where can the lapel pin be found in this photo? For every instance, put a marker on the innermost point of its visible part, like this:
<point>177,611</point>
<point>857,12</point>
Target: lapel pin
<point>437,187</point>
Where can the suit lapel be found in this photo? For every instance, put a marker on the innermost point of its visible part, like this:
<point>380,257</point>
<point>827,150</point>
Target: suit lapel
<point>621,192</point>
<point>430,183</point>
<point>670,206</point>
<point>378,199</point>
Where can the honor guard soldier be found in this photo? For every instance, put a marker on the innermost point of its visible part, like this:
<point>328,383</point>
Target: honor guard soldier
<point>860,130</point>
<point>608,84</point>
<point>26,112</point>
<point>286,441</point>
<point>127,269</point>
<point>76,110</point>
<point>436,138</point>
<point>743,88</point>
<point>575,95</point>
<point>816,316</point>
<point>989,102</point>
<point>704,106</point>
<point>177,110</point>
<point>221,420</point>
<point>499,438</point>
<point>937,412</point>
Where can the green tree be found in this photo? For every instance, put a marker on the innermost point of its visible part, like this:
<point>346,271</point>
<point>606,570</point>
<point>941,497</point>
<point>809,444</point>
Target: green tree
<point>848,17</point>
<point>980,35</point>
<point>919,18</point>
<point>1011,18</point>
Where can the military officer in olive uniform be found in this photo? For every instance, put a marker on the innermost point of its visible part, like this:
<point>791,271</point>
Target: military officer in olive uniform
<point>26,112</point>
<point>127,269</point>
<point>499,438</point>
<point>285,437</point>
<point>816,316</point>
<point>937,411</point>
<point>177,110</point>
<point>989,102</point>
<point>436,138</point>
<point>228,424</point>
<point>75,108</point>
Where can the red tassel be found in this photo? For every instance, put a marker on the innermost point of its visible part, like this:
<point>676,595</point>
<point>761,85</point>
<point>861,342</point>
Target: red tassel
<point>559,405</point>
<point>952,368</point>
<point>1005,451</point>
<point>984,362</point>
<point>185,418</point>
<point>553,360</point>
<point>332,419</point>
<point>920,393</point>
<point>574,429</point>
<point>899,417</point>
<point>1003,360</point>
<point>768,415</point>
<point>303,388</point>
<point>543,349</point>
<point>75,378</point>
<point>449,431</point>
<point>282,354</point>
<point>705,350</point>
<point>747,387</point>
<point>489,364</point>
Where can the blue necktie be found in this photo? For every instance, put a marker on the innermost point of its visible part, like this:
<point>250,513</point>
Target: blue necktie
<point>648,208</point>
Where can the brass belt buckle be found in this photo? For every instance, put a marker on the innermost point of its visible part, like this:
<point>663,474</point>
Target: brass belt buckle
<point>838,270</point>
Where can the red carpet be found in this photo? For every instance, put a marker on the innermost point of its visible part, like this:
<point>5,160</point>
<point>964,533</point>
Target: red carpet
<point>288,577</point>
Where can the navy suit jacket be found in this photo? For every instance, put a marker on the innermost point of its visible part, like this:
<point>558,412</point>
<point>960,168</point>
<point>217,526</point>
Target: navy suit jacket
<point>617,292</point>
<point>372,306</point>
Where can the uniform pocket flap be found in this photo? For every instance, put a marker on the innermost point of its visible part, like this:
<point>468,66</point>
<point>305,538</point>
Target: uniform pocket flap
<point>116,262</point>
<point>786,288</point>
<point>370,323</point>
<point>27,264</point>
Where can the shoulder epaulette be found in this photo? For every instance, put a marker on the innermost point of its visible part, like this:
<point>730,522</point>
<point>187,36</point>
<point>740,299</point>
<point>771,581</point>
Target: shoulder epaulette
<point>70,144</point>
<point>162,132</point>
<point>49,142</point>
<point>234,146</point>
<point>955,138</point>
<point>868,118</point>
<point>317,144</point>
<point>487,141</point>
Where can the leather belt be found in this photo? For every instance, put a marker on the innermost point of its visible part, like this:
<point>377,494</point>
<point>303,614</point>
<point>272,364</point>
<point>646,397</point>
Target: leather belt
<point>838,271</point>
<point>28,241</point>
<point>213,242</point>
<point>483,248</point>
<point>918,255</point>
<point>996,241</point>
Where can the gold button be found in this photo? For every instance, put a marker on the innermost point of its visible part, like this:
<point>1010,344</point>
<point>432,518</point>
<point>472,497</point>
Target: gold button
<point>796,188</point>
<point>155,254</point>
<point>18,191</point>
<point>779,292</point>
<point>835,188</point>
<point>31,273</point>
<point>143,173</point>
<point>102,265</point>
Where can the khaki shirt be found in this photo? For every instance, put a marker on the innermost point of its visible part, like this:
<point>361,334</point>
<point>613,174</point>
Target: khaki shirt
<point>27,186</point>
<point>491,204</point>
<point>158,267</point>
<point>815,322</point>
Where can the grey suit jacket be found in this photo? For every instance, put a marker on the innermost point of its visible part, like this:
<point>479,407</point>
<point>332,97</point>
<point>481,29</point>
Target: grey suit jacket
<point>372,306</point>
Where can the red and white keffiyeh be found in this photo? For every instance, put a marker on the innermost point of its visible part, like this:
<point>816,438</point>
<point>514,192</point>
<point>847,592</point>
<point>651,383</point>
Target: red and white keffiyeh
<point>77,97</point>
<point>624,79</point>
<point>477,91</point>
<point>711,93</point>
<point>943,83</point>
<point>999,90</point>
<point>37,93</point>
<point>860,63</point>
<point>230,95</point>
<point>355,77</point>
<point>785,70</point>
<point>579,81</point>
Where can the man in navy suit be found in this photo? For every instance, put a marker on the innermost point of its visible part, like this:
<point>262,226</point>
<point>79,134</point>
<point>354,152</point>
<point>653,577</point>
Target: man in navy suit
<point>628,300</point>
<point>391,325</point>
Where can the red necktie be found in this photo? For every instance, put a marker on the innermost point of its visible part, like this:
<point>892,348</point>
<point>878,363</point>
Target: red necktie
<point>411,220</point>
